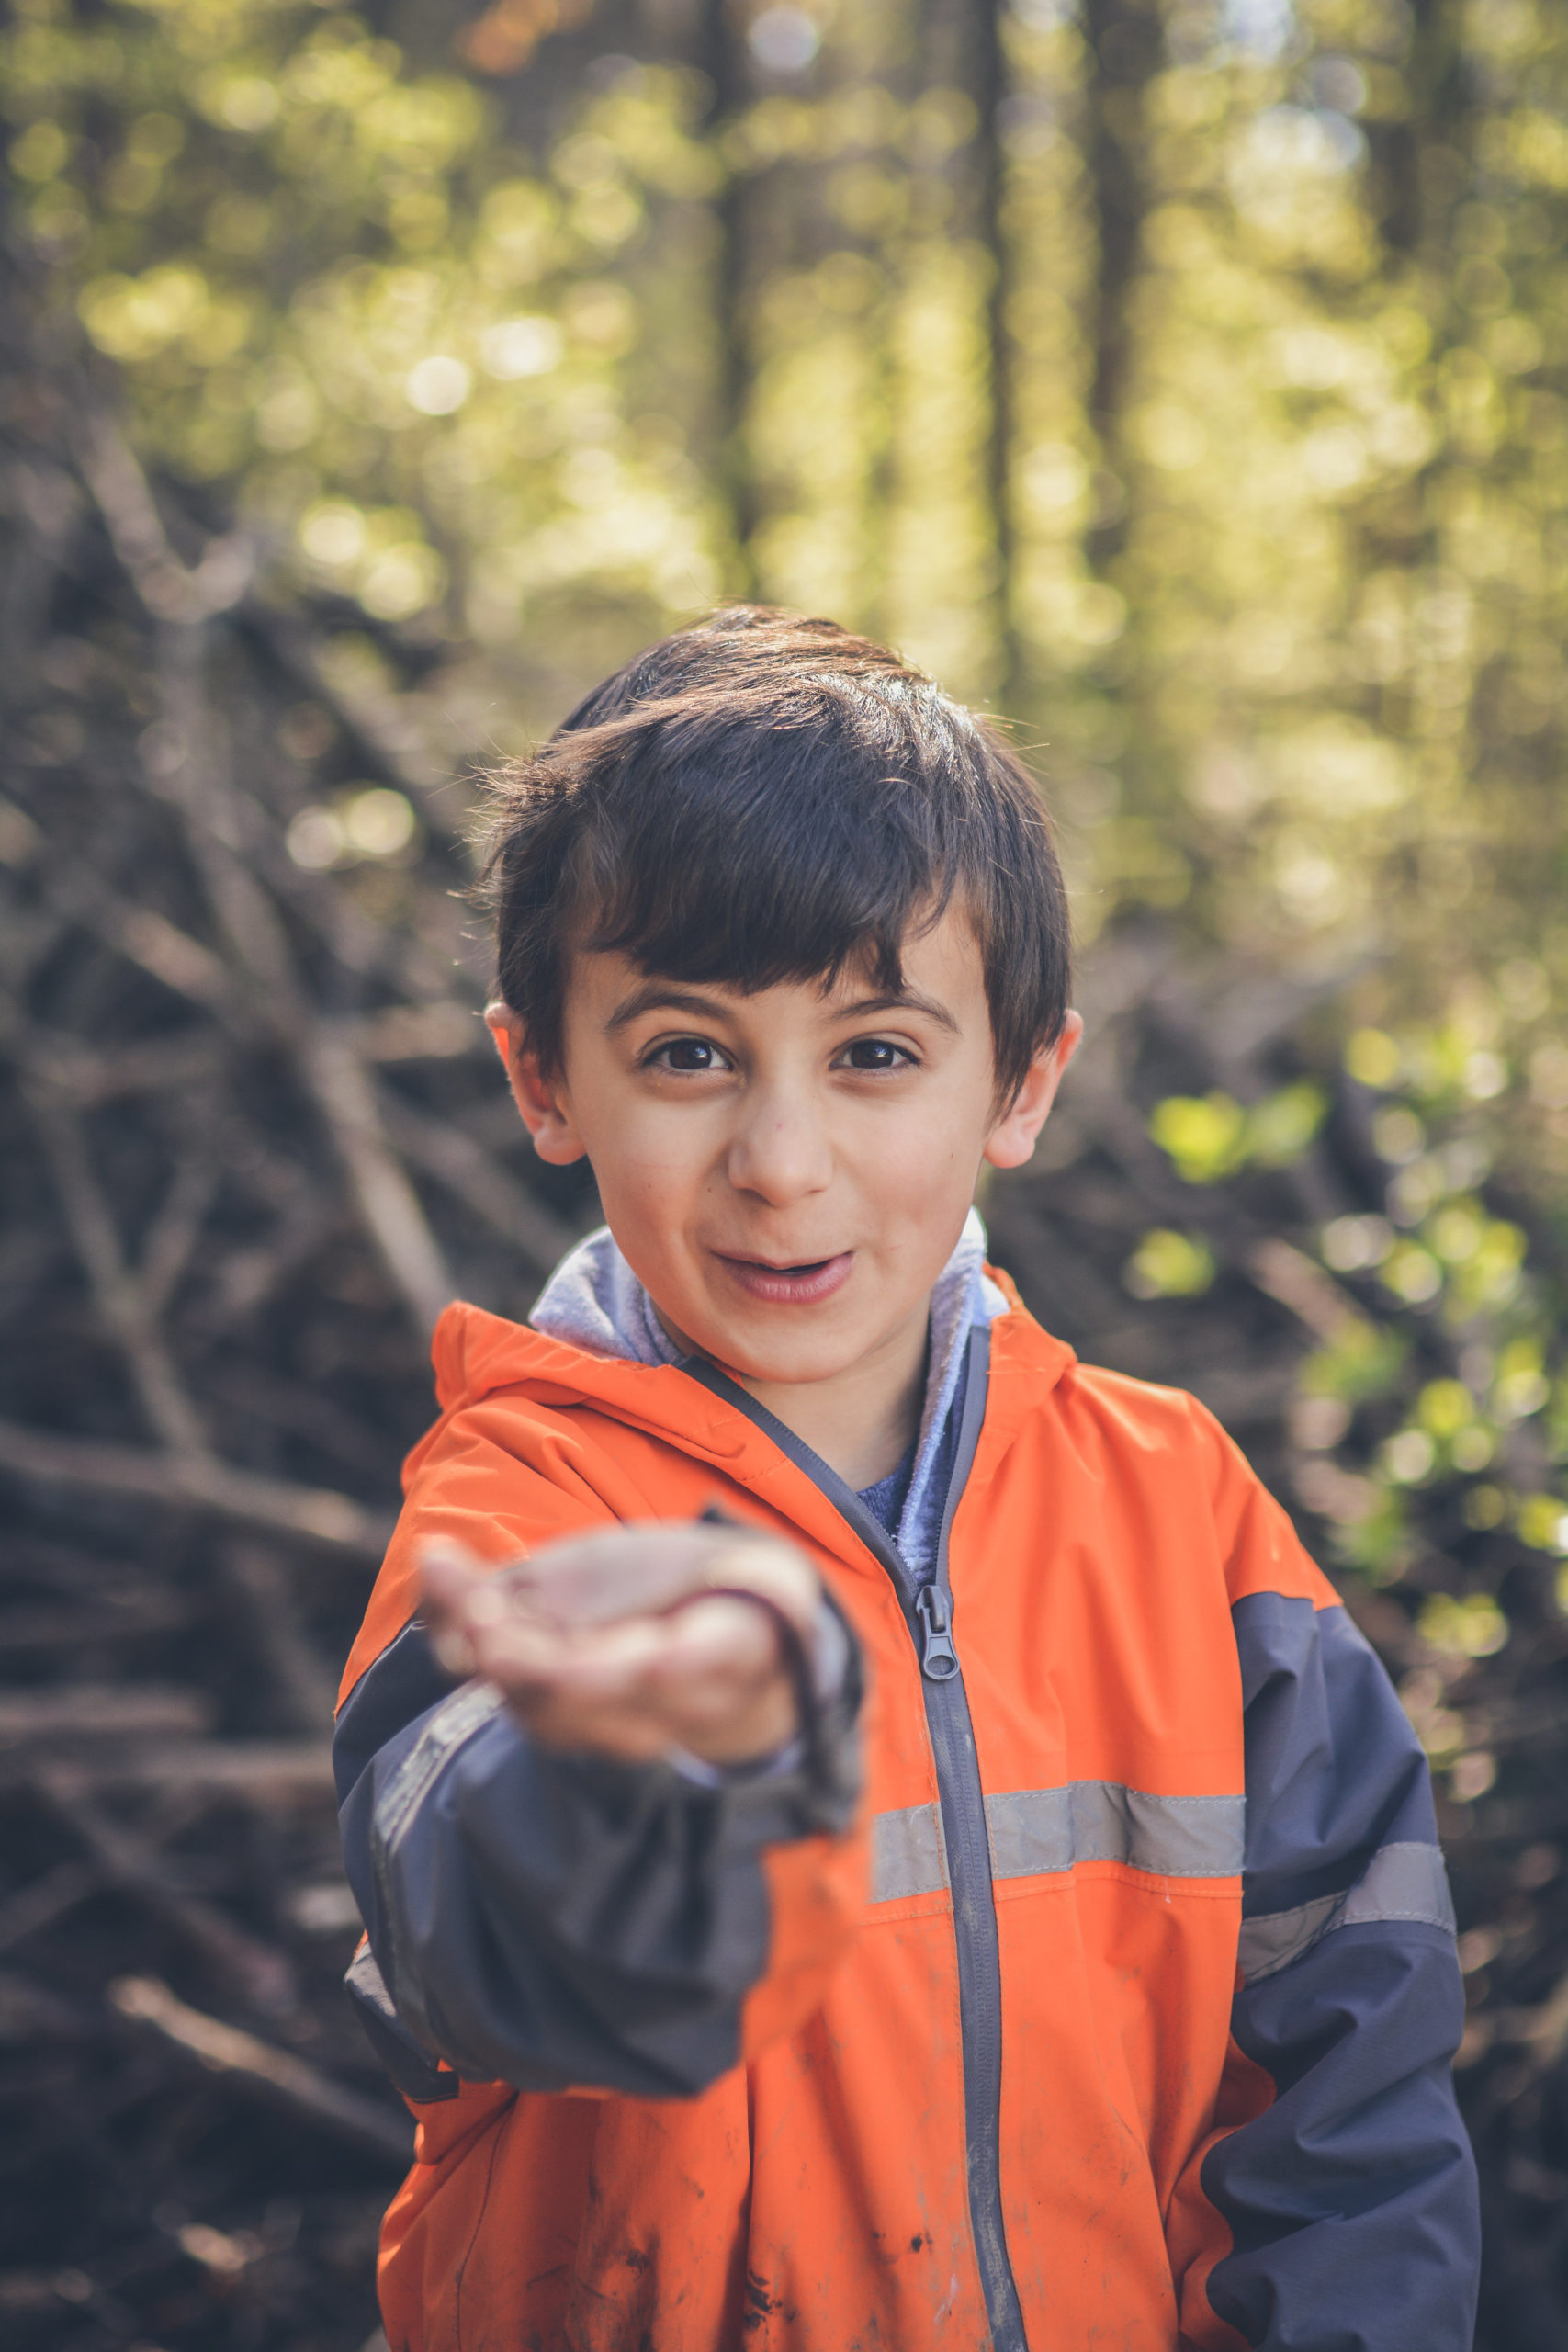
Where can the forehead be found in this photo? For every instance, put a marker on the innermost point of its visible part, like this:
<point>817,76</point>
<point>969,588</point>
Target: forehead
<point>940,964</point>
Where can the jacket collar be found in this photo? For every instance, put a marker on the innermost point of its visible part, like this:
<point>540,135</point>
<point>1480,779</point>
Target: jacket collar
<point>479,1356</point>
<point>594,1301</point>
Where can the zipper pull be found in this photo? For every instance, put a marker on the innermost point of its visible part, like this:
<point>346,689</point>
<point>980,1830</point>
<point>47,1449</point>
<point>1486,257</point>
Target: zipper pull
<point>939,1659</point>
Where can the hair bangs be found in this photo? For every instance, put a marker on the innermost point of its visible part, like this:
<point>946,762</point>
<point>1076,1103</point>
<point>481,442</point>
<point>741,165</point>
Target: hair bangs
<point>781,860</point>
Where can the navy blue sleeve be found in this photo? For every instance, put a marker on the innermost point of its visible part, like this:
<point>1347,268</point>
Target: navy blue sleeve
<point>1352,2200</point>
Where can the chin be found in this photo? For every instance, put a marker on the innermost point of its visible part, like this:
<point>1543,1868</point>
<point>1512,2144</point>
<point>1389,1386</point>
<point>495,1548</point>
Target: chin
<point>759,1356</point>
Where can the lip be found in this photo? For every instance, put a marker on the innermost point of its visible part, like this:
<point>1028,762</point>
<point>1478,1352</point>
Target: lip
<point>804,1285</point>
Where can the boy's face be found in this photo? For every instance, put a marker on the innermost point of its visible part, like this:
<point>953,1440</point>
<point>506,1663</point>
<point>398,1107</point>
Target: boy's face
<point>786,1173</point>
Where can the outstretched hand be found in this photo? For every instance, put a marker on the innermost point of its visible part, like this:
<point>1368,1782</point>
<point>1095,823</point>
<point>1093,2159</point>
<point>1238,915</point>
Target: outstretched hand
<point>632,1641</point>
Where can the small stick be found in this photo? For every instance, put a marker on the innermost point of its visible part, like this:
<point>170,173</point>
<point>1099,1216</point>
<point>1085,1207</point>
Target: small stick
<point>45,1900</point>
<point>308,1691</point>
<point>201,1482</point>
<point>72,1711</point>
<point>286,2079</point>
<point>264,1976</point>
<point>269,1774</point>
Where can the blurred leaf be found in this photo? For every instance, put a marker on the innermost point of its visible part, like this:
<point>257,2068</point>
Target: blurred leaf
<point>1473,1626</point>
<point>1206,1136</point>
<point>1282,1127</point>
<point>1169,1265</point>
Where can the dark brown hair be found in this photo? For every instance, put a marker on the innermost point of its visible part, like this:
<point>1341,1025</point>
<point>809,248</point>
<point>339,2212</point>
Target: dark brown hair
<point>764,798</point>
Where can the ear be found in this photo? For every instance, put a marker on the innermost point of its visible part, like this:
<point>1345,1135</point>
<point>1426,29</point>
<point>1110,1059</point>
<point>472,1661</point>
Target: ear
<point>1013,1137</point>
<point>542,1103</point>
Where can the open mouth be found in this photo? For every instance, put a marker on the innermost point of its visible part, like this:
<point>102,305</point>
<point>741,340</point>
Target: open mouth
<point>798,1286</point>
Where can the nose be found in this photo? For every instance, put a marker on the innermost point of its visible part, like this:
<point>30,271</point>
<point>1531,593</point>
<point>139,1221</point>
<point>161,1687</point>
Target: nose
<point>781,1151</point>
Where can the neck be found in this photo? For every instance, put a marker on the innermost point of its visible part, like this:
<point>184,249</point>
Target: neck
<point>860,1421</point>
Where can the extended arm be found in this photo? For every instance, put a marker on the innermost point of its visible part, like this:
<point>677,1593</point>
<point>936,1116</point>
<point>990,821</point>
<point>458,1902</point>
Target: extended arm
<point>552,1917</point>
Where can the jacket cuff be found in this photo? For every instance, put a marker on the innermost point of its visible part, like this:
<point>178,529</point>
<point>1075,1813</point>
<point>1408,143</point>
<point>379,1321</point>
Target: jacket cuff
<point>828,1647</point>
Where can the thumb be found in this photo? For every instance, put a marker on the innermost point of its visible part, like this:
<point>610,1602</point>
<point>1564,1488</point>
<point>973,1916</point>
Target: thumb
<point>449,1575</point>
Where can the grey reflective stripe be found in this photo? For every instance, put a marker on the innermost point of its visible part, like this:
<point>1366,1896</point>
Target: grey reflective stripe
<point>1099,1821</point>
<point>366,1979</point>
<point>1038,1831</point>
<point>1403,1882</point>
<point>907,1855</point>
<point>453,1723</point>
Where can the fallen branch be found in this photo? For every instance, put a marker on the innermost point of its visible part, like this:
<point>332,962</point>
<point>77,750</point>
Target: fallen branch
<point>388,1201</point>
<point>460,1163</point>
<point>199,1483</point>
<point>308,1689</point>
<point>270,1774</point>
<point>263,1975</point>
<point>284,2079</point>
<point>94,1710</point>
<point>47,1898</point>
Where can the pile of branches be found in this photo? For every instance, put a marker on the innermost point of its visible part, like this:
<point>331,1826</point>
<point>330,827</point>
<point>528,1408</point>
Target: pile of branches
<point>253,1137</point>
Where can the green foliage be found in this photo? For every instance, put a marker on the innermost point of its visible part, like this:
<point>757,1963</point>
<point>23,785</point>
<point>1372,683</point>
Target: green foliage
<point>1204,1135</point>
<point>1472,1627</point>
<point>1209,1137</point>
<point>1216,428</point>
<point>1362,1361</point>
<point>1225,441</point>
<point>1169,1265</point>
<point>411,351</point>
<point>1438,1281</point>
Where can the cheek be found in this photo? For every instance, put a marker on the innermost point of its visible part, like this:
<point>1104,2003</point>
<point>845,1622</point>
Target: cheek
<point>926,1156</point>
<point>649,1165</point>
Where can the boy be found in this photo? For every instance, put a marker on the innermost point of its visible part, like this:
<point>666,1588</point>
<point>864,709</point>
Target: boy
<point>917,1855</point>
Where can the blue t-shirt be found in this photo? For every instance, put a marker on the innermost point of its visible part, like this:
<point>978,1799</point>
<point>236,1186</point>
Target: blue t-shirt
<point>885,1500</point>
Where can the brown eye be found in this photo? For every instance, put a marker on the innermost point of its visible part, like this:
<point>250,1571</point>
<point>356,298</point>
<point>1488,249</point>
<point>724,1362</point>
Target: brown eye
<point>875,1053</point>
<point>689,1054</point>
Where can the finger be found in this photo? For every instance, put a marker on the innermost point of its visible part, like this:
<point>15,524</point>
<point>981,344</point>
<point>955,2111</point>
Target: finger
<point>708,1678</point>
<point>449,1575</point>
<point>516,1655</point>
<point>637,1662</point>
<point>581,1692</point>
<point>542,1669</point>
<point>722,1675</point>
<point>622,1571</point>
<point>605,1665</point>
<point>775,1572</point>
<point>710,1668</point>
<point>640,1569</point>
<point>733,1713</point>
<point>723,1638</point>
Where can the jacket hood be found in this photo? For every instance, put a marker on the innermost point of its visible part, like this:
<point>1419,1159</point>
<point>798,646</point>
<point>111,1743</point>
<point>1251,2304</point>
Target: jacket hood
<point>593,1300</point>
<point>478,1355</point>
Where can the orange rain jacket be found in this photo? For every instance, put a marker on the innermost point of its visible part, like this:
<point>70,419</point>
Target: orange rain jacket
<point>987,2058</point>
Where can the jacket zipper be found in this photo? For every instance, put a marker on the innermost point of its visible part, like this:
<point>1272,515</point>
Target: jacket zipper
<point>928,1615</point>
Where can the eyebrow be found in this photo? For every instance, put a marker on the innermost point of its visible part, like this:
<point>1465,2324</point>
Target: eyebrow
<point>901,1000</point>
<point>658,996</point>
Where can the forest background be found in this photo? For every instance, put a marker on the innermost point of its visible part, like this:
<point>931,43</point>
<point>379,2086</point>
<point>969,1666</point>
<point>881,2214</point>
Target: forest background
<point>1185,382</point>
